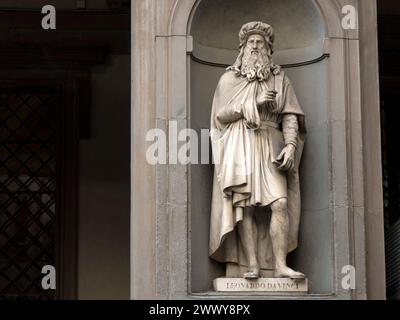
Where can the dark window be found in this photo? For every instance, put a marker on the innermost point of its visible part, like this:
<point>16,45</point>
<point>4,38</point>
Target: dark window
<point>28,189</point>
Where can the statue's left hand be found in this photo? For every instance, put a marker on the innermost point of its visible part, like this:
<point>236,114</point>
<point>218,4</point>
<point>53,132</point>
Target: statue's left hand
<point>287,158</point>
<point>266,98</point>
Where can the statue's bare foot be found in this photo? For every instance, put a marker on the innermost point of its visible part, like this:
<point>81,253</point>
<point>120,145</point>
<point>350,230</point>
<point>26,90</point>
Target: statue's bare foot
<point>286,272</point>
<point>253,273</point>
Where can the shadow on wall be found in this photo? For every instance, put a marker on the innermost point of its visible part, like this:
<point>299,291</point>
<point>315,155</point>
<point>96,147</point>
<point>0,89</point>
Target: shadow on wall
<point>104,205</point>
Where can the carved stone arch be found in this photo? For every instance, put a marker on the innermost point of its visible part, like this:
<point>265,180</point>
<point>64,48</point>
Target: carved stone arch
<point>180,18</point>
<point>331,12</point>
<point>184,10</point>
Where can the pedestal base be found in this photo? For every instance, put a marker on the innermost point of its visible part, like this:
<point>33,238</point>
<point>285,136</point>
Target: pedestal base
<point>261,285</point>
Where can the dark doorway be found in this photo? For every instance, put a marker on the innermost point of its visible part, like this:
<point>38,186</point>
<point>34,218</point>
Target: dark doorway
<point>389,52</point>
<point>65,150</point>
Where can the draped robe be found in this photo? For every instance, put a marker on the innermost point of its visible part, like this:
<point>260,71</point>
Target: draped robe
<point>246,141</point>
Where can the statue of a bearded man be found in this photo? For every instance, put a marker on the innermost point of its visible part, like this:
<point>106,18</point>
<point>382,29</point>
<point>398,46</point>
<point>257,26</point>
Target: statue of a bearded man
<point>257,133</point>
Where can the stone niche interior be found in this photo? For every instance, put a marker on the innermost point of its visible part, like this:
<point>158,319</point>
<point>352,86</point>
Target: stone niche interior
<point>300,32</point>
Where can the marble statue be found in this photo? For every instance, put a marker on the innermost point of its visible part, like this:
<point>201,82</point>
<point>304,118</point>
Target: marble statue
<point>257,134</point>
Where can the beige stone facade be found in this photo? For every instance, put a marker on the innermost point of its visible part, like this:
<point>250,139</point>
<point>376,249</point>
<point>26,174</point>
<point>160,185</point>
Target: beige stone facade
<point>342,216</point>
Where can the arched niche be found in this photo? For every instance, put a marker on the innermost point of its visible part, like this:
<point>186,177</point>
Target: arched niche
<point>215,24</point>
<point>300,32</point>
<point>183,11</point>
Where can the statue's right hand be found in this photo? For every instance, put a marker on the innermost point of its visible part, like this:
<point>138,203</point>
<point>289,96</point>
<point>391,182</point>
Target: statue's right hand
<point>226,116</point>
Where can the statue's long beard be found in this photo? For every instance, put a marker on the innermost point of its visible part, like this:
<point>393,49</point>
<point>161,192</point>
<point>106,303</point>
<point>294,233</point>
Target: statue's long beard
<point>255,65</point>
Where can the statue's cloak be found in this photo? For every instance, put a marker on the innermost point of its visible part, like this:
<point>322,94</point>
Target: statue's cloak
<point>232,143</point>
